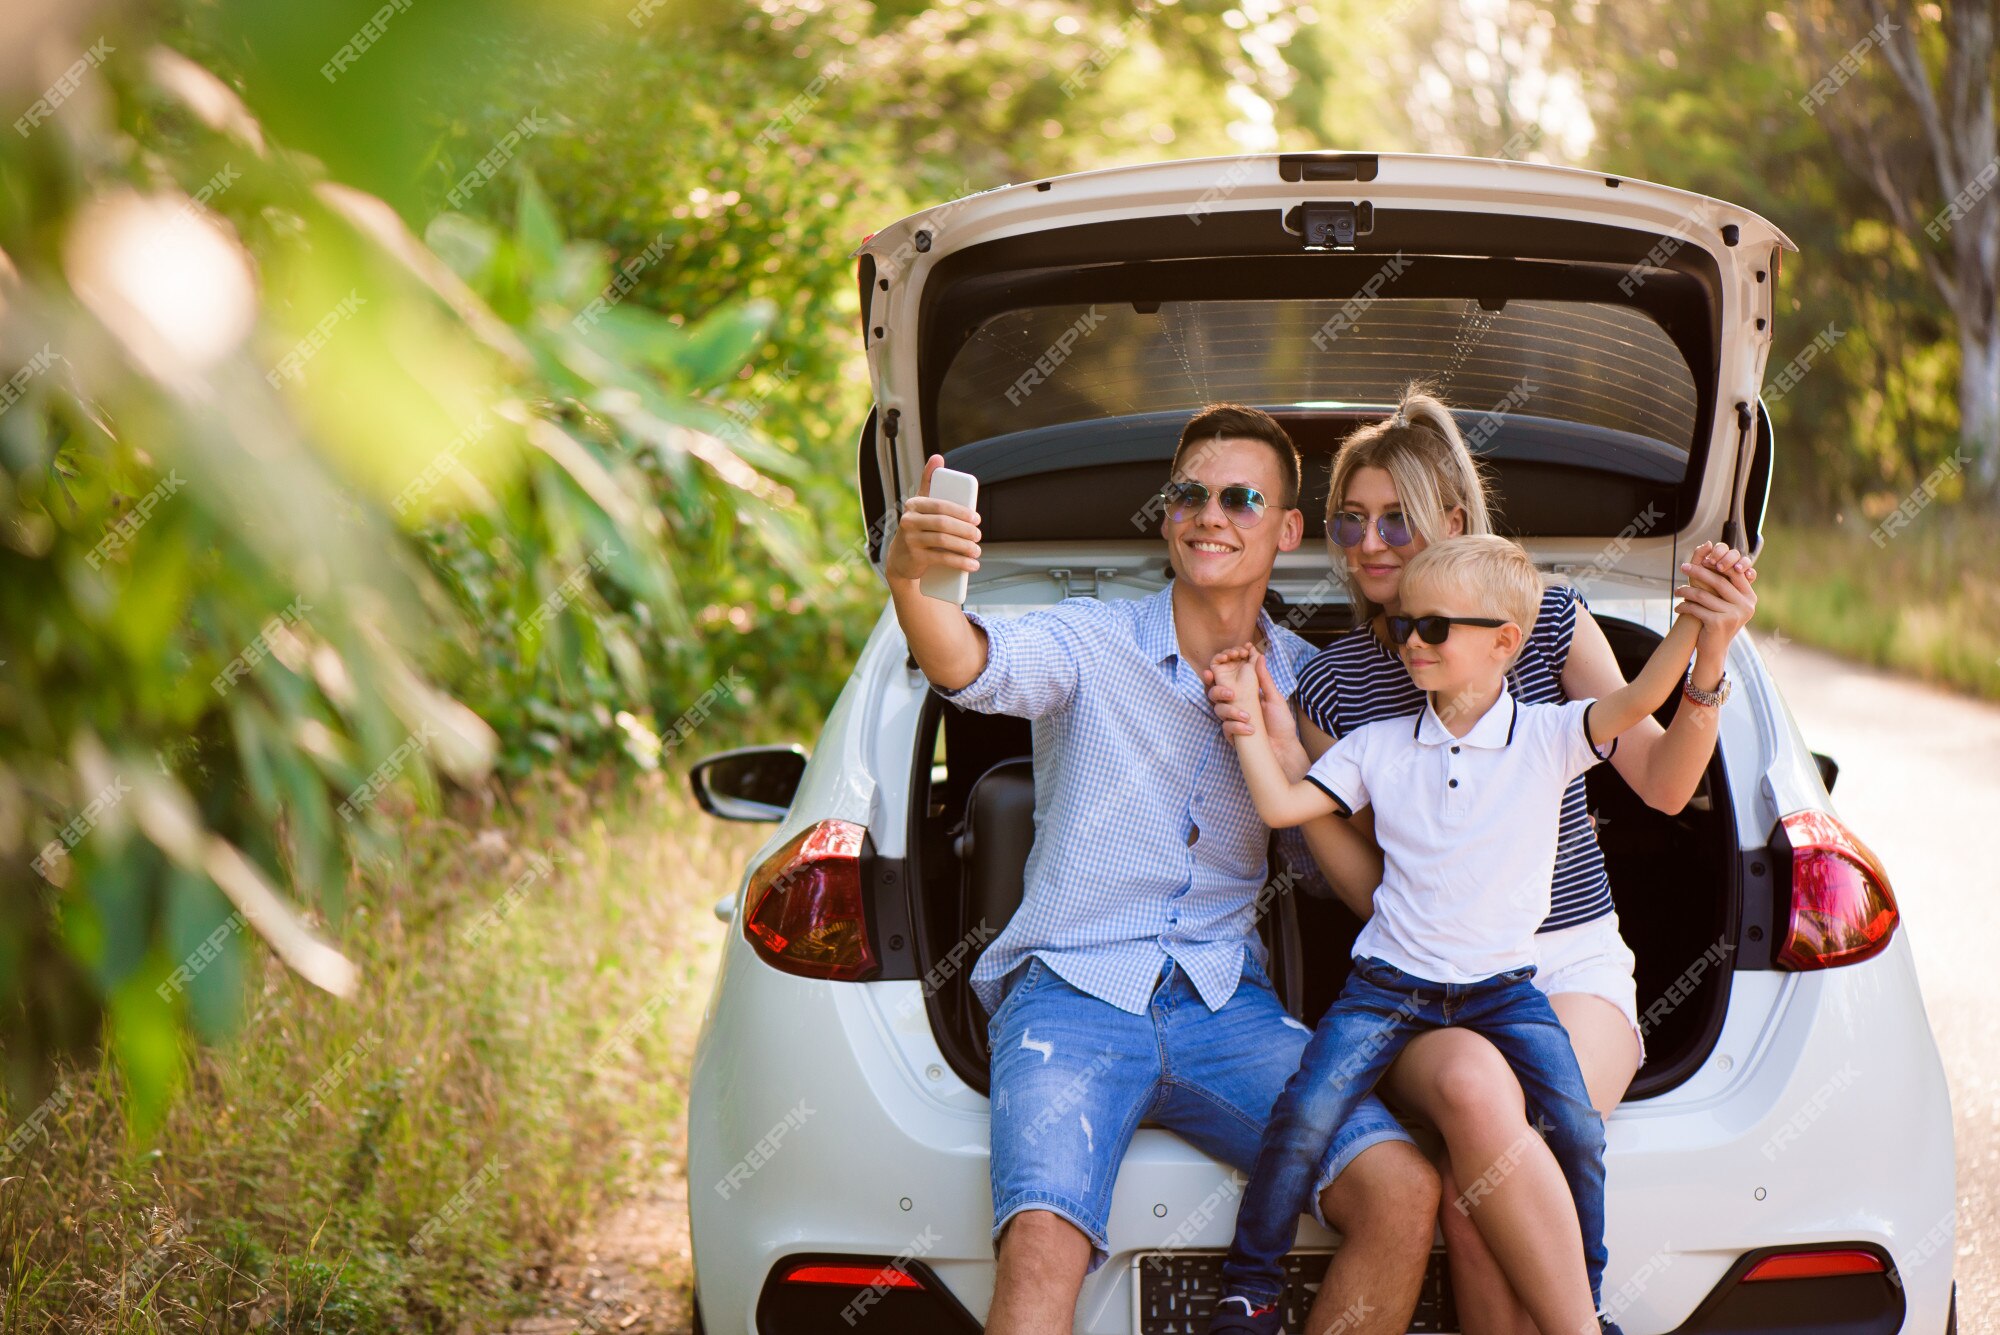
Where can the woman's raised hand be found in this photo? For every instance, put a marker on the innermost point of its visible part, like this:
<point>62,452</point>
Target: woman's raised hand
<point>1718,594</point>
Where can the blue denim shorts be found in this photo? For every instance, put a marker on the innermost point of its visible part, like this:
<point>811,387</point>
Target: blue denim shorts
<point>1072,1078</point>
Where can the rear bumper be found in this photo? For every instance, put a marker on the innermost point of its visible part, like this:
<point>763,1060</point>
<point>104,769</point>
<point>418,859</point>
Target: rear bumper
<point>820,1125</point>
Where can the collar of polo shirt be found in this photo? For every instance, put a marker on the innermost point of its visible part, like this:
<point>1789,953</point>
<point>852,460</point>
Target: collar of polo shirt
<point>1494,730</point>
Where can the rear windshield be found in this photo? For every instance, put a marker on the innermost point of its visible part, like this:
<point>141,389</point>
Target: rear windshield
<point>1591,363</point>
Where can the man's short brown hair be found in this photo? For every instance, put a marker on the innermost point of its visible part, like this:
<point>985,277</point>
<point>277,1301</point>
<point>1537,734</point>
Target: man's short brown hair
<point>1235,421</point>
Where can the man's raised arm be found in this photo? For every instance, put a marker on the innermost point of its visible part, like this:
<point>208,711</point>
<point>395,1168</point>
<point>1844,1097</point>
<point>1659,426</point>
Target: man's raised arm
<point>950,649</point>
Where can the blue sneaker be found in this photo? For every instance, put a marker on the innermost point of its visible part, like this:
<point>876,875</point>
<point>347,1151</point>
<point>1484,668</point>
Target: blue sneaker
<point>1237,1317</point>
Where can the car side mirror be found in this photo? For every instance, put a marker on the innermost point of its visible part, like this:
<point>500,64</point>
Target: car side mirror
<point>1829,769</point>
<point>750,783</point>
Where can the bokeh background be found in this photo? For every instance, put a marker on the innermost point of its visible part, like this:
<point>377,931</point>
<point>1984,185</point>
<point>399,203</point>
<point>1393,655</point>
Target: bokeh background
<point>426,426</point>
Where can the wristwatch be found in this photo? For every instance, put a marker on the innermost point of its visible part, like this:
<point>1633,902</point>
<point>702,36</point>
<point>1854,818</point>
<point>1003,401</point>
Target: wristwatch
<point>1706,699</point>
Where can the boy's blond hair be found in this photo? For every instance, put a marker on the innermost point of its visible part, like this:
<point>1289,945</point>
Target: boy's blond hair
<point>1499,577</point>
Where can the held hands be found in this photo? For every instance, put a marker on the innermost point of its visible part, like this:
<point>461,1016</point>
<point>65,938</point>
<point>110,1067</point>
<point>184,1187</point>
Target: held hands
<point>932,533</point>
<point>1718,596</point>
<point>1238,677</point>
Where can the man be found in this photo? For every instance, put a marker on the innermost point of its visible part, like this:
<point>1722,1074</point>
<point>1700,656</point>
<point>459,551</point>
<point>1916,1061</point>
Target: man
<point>1130,985</point>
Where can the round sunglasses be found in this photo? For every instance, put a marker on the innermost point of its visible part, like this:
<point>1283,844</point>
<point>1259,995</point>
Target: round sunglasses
<point>1244,505</point>
<point>1434,629</point>
<point>1348,528</point>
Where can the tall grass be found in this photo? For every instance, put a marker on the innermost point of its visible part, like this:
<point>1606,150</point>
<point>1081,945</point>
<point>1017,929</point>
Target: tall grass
<point>414,1160</point>
<point>1925,601</point>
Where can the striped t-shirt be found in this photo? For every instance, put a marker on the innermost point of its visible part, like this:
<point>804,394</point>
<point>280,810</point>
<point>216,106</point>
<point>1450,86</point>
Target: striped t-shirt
<point>1355,680</point>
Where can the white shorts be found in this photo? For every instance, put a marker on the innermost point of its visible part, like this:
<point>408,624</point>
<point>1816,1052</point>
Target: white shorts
<point>1591,958</point>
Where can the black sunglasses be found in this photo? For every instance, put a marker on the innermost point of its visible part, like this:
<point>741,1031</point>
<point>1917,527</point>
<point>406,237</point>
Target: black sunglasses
<point>1244,505</point>
<point>1348,528</point>
<point>1434,629</point>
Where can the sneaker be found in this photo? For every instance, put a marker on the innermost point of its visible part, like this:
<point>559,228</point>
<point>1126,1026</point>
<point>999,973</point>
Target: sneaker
<point>1237,1317</point>
<point>1606,1326</point>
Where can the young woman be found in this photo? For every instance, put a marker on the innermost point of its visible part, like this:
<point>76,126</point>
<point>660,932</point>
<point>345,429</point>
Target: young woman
<point>1398,485</point>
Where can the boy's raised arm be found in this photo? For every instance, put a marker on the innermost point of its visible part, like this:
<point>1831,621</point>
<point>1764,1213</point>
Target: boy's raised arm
<point>1280,803</point>
<point>1626,706</point>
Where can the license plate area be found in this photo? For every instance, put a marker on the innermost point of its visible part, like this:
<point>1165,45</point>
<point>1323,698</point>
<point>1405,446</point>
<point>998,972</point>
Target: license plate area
<point>1174,1292</point>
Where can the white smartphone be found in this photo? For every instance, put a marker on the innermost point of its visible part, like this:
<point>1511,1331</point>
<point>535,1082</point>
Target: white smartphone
<point>960,489</point>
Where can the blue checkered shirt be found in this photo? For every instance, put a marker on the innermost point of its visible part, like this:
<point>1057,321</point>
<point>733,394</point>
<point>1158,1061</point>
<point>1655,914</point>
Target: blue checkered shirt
<point>1147,846</point>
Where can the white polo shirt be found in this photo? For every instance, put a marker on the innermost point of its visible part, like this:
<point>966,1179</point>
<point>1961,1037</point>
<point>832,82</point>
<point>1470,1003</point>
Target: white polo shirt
<point>1468,830</point>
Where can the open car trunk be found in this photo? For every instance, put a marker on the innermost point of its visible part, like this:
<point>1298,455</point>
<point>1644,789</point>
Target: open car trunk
<point>1675,880</point>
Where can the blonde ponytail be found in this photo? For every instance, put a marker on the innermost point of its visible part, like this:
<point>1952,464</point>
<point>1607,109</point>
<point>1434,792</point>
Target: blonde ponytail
<point>1424,453</point>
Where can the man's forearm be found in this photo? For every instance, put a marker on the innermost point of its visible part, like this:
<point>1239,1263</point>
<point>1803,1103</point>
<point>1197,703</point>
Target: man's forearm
<point>949,649</point>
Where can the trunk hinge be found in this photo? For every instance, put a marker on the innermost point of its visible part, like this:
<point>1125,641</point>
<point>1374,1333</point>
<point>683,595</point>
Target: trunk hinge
<point>1100,576</point>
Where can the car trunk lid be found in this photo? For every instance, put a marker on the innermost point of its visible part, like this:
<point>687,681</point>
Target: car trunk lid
<point>1603,337</point>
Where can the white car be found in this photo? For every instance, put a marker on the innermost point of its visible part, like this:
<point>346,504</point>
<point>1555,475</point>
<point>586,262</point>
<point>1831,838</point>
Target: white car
<point>1783,1161</point>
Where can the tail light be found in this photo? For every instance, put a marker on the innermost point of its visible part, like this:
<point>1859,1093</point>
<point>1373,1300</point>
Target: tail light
<point>1816,1265</point>
<point>1841,909</point>
<point>853,1276</point>
<point>806,914</point>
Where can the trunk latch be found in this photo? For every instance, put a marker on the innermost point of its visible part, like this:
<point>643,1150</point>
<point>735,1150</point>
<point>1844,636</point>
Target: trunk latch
<point>1324,224</point>
<point>1063,578</point>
